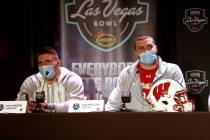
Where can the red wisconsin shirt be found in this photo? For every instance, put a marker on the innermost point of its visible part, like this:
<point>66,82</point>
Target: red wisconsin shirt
<point>146,78</point>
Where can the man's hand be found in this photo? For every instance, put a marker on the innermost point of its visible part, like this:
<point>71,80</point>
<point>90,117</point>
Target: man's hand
<point>33,106</point>
<point>43,106</point>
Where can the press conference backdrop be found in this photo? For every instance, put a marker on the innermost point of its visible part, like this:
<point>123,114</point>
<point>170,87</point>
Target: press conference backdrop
<point>95,39</point>
<point>193,45</point>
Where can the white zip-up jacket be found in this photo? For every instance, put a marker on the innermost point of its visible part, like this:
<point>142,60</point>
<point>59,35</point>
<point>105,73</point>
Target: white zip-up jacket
<point>129,80</point>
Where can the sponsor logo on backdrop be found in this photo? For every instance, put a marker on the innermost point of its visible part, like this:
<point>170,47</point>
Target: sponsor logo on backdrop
<point>196,81</point>
<point>106,24</point>
<point>195,19</point>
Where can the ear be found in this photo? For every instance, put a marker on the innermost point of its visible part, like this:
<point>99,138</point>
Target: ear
<point>59,63</point>
<point>136,54</point>
<point>156,48</point>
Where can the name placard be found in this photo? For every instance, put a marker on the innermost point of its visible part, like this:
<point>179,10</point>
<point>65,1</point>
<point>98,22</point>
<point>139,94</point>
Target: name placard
<point>13,106</point>
<point>86,106</point>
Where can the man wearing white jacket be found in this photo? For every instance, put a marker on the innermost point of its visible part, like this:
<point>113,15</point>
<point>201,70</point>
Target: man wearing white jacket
<point>139,77</point>
<point>58,84</point>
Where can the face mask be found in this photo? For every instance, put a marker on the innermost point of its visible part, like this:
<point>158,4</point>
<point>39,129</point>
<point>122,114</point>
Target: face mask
<point>148,58</point>
<point>48,72</point>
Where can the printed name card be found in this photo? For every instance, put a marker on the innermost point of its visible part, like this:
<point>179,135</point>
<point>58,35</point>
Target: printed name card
<point>86,106</point>
<point>13,106</point>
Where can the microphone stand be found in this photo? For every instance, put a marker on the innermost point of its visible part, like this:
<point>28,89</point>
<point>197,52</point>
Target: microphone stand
<point>127,98</point>
<point>39,98</point>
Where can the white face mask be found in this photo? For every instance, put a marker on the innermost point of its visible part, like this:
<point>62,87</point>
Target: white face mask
<point>48,71</point>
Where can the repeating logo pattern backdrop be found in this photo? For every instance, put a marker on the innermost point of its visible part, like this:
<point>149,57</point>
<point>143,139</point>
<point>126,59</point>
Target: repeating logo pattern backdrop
<point>97,38</point>
<point>193,50</point>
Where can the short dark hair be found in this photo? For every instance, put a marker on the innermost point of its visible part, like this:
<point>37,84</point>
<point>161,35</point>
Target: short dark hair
<point>143,37</point>
<point>47,50</point>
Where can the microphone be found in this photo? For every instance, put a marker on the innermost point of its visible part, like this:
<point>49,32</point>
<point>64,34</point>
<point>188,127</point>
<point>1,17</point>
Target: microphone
<point>40,97</point>
<point>126,96</point>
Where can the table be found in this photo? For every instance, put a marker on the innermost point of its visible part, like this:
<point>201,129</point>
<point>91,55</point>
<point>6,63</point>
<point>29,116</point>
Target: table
<point>106,126</point>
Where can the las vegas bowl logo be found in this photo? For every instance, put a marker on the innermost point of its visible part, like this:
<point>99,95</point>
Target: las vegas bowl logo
<point>196,81</point>
<point>106,24</point>
<point>195,19</point>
